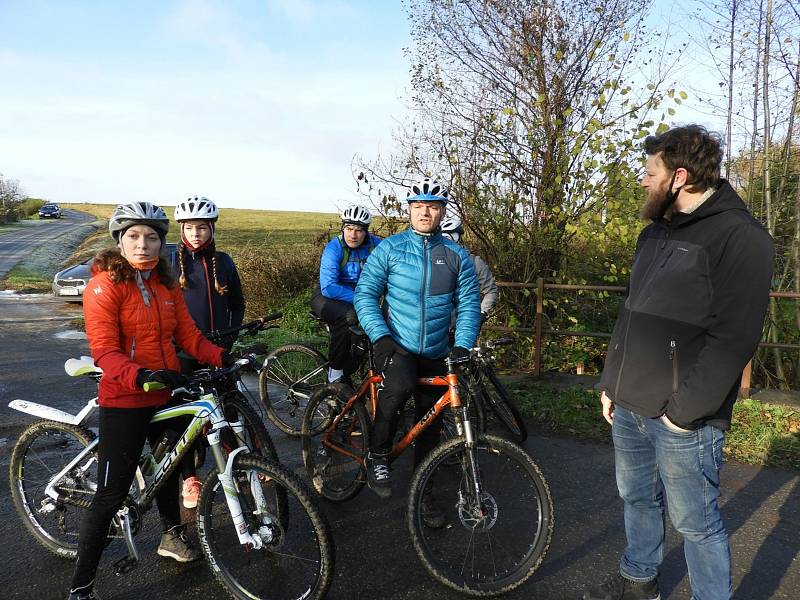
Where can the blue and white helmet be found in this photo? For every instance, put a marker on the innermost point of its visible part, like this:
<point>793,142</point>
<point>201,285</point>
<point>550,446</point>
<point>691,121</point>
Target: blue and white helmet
<point>427,190</point>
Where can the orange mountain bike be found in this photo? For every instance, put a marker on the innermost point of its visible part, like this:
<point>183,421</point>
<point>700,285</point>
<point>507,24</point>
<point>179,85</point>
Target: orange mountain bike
<point>496,501</point>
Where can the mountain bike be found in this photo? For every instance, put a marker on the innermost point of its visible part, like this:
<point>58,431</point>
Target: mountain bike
<point>496,501</point>
<point>291,373</point>
<point>491,393</point>
<point>260,529</point>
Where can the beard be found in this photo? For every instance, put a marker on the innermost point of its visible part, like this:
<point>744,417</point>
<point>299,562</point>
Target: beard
<point>658,202</point>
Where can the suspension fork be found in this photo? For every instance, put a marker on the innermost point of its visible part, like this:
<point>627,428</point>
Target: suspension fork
<point>225,475</point>
<point>465,426</point>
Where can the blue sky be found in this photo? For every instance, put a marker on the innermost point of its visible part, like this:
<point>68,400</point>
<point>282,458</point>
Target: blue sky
<point>253,104</point>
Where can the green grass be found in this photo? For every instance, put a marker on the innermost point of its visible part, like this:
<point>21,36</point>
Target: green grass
<point>26,280</point>
<point>761,433</point>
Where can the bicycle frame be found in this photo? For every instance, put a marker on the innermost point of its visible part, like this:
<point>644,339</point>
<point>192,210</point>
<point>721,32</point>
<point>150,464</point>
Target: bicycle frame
<point>450,398</point>
<point>204,410</point>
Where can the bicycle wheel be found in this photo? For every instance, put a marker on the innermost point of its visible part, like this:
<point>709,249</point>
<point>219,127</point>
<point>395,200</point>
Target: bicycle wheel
<point>499,400</point>
<point>255,435</point>
<point>42,450</point>
<point>290,375</point>
<point>294,562</point>
<point>495,539</point>
<point>336,473</point>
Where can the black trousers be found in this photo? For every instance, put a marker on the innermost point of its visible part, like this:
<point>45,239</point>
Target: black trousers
<point>122,435</point>
<point>334,313</point>
<point>400,371</point>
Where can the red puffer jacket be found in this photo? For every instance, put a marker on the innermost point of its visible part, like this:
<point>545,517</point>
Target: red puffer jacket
<point>126,335</point>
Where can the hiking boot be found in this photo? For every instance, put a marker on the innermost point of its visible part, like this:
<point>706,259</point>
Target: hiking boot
<point>617,587</point>
<point>175,544</point>
<point>432,515</point>
<point>191,491</point>
<point>378,477</point>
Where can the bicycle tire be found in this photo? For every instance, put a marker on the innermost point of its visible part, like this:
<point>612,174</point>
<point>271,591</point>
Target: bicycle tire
<point>41,451</point>
<point>256,436</point>
<point>501,404</point>
<point>265,573</point>
<point>290,375</point>
<point>512,522</point>
<point>334,475</point>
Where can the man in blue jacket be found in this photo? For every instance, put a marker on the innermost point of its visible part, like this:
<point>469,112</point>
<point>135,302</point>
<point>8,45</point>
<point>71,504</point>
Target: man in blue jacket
<point>340,267</point>
<point>422,277</point>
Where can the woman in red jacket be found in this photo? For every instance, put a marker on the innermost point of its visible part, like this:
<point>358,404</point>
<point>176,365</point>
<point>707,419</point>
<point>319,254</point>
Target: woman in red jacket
<point>133,310</point>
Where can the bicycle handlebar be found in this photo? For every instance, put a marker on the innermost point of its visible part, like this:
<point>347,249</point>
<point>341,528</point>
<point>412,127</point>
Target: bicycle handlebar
<point>251,327</point>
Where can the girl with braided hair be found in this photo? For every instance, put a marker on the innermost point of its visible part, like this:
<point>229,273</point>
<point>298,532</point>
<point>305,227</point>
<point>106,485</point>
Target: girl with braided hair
<point>212,291</point>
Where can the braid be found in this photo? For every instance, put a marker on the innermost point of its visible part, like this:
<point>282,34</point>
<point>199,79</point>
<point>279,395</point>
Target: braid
<point>182,279</point>
<point>221,289</point>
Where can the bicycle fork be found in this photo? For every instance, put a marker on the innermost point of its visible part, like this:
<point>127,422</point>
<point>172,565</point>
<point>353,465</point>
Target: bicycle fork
<point>225,475</point>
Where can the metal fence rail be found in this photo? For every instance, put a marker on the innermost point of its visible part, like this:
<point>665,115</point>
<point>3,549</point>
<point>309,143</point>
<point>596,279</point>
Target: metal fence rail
<point>540,286</point>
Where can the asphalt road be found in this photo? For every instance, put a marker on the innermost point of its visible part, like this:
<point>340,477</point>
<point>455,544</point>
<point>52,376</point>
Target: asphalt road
<point>19,240</point>
<point>375,558</point>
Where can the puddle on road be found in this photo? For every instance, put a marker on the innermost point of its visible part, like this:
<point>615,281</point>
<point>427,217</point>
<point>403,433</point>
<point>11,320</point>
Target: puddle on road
<point>72,334</point>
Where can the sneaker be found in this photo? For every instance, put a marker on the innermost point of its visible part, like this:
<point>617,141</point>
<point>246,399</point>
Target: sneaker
<point>378,477</point>
<point>83,595</point>
<point>617,587</point>
<point>191,491</point>
<point>175,544</point>
<point>432,515</point>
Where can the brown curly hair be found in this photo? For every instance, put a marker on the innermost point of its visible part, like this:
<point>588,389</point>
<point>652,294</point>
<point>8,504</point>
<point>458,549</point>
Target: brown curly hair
<point>119,269</point>
<point>691,147</point>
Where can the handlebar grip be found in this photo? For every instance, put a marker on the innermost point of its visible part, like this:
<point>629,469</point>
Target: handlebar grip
<point>271,317</point>
<point>152,386</point>
<point>504,341</point>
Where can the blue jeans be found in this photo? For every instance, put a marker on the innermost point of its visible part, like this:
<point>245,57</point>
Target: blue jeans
<point>654,462</point>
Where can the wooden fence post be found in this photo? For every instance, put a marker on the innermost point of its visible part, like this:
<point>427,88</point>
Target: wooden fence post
<point>744,388</point>
<point>537,356</point>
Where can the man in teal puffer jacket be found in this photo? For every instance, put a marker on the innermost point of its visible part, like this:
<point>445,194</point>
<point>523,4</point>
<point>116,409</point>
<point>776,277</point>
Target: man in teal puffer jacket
<point>422,277</point>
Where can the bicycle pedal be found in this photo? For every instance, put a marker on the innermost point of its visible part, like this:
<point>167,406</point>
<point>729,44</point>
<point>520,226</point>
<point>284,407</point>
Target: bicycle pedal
<point>125,565</point>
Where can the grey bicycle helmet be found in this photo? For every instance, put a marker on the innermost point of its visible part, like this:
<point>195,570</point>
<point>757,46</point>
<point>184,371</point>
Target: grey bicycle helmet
<point>196,207</point>
<point>355,214</point>
<point>137,213</point>
<point>427,190</point>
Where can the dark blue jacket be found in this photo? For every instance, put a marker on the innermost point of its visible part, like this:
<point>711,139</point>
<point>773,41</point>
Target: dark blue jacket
<point>337,280</point>
<point>422,278</point>
<point>209,309</point>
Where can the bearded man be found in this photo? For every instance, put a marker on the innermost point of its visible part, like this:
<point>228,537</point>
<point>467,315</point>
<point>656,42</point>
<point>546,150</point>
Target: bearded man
<point>692,319</point>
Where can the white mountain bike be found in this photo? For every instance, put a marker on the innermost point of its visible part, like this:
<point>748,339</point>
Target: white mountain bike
<point>261,530</point>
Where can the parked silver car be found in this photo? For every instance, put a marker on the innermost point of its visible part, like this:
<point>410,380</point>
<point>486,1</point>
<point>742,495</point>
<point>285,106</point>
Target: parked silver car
<point>70,283</point>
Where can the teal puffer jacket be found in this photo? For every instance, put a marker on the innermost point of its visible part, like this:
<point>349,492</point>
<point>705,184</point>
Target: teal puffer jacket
<point>423,278</point>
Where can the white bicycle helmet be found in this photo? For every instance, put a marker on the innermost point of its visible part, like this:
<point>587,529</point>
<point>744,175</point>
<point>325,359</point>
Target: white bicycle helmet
<point>137,213</point>
<point>355,214</point>
<point>427,190</point>
<point>196,207</point>
<point>451,224</point>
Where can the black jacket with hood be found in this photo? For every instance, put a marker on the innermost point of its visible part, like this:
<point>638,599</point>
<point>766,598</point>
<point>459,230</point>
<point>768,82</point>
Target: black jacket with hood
<point>693,314</point>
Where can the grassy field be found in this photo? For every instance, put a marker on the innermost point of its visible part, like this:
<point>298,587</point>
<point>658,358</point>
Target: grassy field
<point>277,254</point>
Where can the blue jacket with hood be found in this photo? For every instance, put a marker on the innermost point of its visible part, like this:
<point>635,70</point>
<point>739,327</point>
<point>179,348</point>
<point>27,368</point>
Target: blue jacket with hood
<point>337,280</point>
<point>422,279</point>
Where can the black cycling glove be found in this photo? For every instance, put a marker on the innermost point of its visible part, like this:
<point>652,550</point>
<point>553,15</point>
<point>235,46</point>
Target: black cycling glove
<point>458,354</point>
<point>171,379</point>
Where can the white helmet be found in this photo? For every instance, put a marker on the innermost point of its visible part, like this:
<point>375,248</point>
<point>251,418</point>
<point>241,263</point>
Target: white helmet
<point>355,214</point>
<point>451,224</point>
<point>196,207</point>
<point>137,213</point>
<point>427,190</point>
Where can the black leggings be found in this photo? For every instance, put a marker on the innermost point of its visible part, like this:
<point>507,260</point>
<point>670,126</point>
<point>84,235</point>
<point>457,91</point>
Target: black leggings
<point>400,371</point>
<point>122,435</point>
<point>334,313</point>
